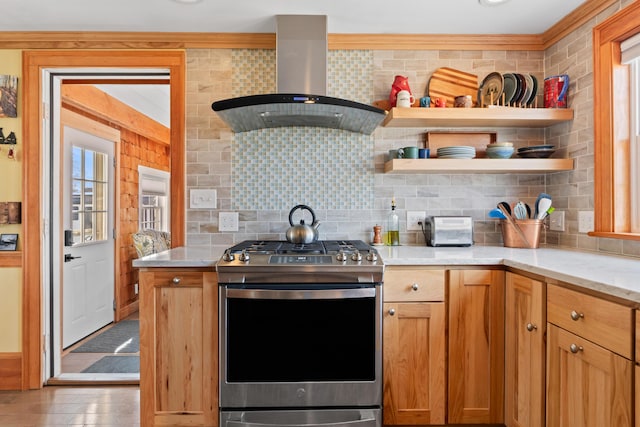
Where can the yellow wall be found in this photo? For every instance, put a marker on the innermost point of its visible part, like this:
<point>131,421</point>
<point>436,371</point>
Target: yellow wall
<point>11,191</point>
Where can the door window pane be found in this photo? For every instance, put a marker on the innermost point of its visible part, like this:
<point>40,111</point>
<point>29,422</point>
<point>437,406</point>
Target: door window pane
<point>89,195</point>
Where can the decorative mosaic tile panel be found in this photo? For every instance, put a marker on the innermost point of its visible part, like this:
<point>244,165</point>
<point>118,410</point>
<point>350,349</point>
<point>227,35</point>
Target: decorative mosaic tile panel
<point>254,71</point>
<point>324,168</point>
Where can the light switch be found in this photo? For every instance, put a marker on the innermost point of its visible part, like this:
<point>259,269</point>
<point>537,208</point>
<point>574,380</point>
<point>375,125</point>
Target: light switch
<point>203,199</point>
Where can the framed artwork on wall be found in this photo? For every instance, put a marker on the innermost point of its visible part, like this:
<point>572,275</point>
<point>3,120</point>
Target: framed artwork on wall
<point>8,96</point>
<point>8,242</point>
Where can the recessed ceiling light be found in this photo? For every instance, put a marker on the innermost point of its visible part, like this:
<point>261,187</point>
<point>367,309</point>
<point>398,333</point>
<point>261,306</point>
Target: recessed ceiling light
<point>492,2</point>
<point>187,1</point>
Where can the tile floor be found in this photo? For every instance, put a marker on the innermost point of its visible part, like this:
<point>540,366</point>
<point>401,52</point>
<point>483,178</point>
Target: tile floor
<point>71,406</point>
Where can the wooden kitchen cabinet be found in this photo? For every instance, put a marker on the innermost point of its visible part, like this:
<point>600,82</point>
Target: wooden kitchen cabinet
<point>476,346</point>
<point>589,366</point>
<point>525,350</point>
<point>587,385</point>
<point>414,346</point>
<point>178,347</point>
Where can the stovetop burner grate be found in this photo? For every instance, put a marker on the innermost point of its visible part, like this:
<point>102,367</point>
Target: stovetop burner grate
<point>283,247</point>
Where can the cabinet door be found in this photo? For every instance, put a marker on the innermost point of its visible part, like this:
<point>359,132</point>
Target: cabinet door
<point>476,346</point>
<point>414,363</point>
<point>587,385</point>
<point>525,351</point>
<point>178,348</point>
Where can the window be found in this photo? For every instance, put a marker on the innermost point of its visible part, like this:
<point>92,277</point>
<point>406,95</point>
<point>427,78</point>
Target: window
<point>630,54</point>
<point>616,193</point>
<point>89,195</point>
<point>153,201</point>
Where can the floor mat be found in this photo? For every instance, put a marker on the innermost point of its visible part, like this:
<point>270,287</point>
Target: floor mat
<point>115,365</point>
<point>123,337</point>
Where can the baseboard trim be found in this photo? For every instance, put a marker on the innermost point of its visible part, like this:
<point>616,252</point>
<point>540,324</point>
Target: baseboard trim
<point>11,371</point>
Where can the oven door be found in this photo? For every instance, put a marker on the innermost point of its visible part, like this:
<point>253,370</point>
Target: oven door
<point>300,347</point>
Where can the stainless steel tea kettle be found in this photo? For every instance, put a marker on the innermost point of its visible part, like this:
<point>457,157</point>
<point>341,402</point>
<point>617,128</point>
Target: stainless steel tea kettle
<point>302,233</point>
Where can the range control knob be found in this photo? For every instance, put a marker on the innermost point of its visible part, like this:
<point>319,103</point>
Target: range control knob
<point>228,256</point>
<point>356,256</point>
<point>372,256</point>
<point>341,256</point>
<point>244,256</point>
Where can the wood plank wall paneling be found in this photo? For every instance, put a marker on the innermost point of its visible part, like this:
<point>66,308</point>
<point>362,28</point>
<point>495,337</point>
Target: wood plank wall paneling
<point>182,40</point>
<point>89,98</point>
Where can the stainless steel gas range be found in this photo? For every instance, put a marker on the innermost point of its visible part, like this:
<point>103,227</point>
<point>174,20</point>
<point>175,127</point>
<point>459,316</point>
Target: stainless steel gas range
<point>300,334</point>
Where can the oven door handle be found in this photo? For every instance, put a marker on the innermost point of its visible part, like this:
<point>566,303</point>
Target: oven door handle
<point>304,294</point>
<point>368,420</point>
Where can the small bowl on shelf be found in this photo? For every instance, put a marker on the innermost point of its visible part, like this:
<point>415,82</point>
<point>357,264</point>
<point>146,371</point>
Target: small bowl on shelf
<point>499,152</point>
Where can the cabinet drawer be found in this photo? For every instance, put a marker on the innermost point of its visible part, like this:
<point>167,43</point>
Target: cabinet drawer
<point>183,278</point>
<point>413,284</point>
<point>603,322</point>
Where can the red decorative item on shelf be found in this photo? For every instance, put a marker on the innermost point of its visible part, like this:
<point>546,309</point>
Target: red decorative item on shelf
<point>555,91</point>
<point>399,83</point>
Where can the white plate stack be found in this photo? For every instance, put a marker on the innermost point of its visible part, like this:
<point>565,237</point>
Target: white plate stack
<point>457,152</point>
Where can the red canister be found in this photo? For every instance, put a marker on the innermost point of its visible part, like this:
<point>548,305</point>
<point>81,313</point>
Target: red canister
<point>555,91</point>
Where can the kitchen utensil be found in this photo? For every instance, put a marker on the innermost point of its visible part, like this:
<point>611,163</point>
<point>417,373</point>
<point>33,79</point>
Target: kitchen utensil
<point>537,202</point>
<point>543,207</point>
<point>520,211</point>
<point>507,214</point>
<point>549,211</point>
<point>447,83</point>
<point>496,213</point>
<point>501,206</point>
<point>506,207</point>
<point>302,233</point>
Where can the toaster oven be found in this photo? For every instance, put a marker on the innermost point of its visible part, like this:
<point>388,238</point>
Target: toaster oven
<point>448,231</point>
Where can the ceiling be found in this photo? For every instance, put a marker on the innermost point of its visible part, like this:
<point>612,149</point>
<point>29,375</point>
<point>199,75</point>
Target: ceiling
<point>258,16</point>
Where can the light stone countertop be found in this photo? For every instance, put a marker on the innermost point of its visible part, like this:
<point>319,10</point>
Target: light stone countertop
<point>611,275</point>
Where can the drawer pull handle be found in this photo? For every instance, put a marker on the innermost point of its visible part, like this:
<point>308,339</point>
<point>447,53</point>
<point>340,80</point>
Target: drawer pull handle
<point>392,311</point>
<point>531,327</point>
<point>414,287</point>
<point>576,316</point>
<point>175,280</point>
<point>575,348</point>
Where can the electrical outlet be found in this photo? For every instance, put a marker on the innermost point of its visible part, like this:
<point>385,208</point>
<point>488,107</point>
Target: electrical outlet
<point>585,221</point>
<point>203,199</point>
<point>413,217</point>
<point>556,221</point>
<point>228,221</point>
<point>135,288</point>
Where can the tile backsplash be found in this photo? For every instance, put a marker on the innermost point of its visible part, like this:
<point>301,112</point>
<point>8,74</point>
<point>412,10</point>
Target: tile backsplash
<point>263,174</point>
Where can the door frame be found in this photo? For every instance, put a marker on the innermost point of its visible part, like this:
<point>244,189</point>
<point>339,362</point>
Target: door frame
<point>34,227</point>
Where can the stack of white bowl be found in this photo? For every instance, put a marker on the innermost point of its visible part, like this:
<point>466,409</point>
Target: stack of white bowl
<point>500,150</point>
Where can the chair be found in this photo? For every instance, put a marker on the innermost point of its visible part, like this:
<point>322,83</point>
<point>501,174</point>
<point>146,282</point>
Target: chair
<point>149,242</point>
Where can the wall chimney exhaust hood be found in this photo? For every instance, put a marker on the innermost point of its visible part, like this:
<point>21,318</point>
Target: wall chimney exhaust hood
<point>301,68</point>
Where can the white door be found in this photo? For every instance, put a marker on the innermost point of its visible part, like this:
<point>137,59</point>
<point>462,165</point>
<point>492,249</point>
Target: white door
<point>87,229</point>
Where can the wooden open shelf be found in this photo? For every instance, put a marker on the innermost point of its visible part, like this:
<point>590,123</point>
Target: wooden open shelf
<point>477,165</point>
<point>476,117</point>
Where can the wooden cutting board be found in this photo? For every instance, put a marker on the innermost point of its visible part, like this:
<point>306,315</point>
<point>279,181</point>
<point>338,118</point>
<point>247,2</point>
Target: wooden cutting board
<point>448,83</point>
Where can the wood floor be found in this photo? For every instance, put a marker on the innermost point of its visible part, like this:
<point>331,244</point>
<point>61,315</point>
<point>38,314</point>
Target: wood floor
<point>71,406</point>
